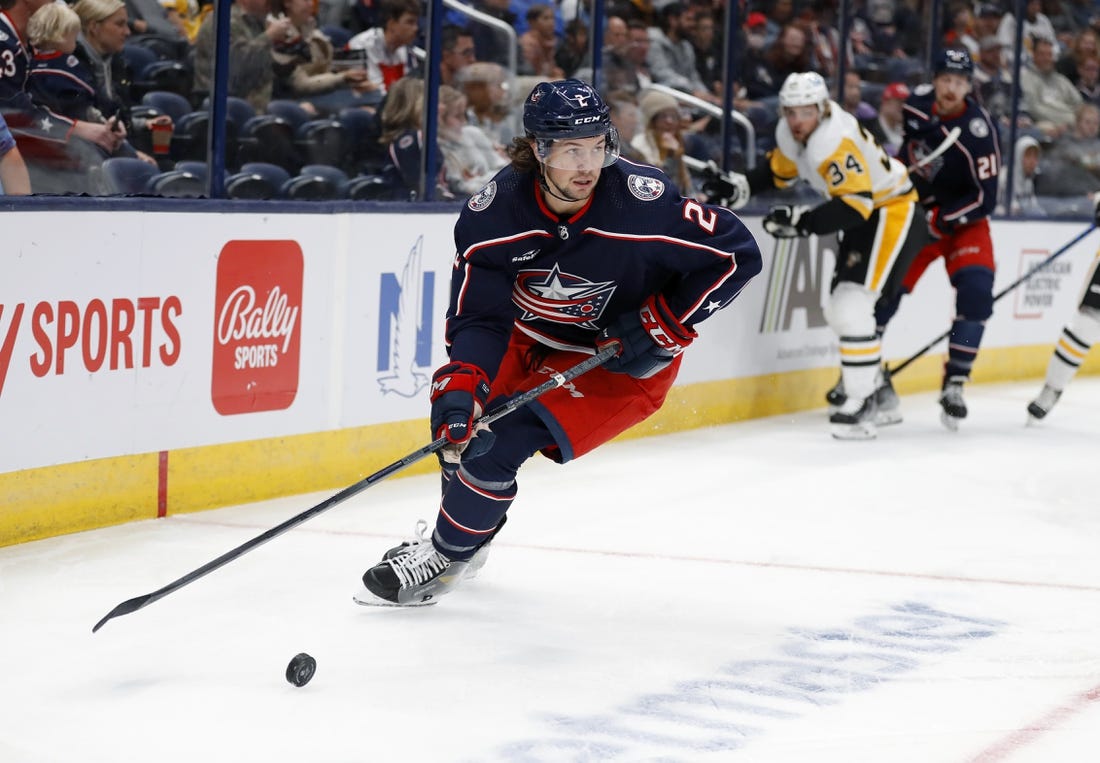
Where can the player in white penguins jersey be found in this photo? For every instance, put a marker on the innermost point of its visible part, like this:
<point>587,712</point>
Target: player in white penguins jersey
<point>871,206</point>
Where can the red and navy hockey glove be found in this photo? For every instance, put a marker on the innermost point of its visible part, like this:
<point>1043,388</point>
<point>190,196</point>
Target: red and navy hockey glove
<point>936,227</point>
<point>650,337</point>
<point>459,392</point>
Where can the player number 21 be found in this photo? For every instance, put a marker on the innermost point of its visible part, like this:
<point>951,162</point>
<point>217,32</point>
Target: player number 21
<point>704,218</point>
<point>987,166</point>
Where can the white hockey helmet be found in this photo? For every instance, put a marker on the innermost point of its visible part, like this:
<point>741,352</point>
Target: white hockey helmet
<point>804,89</point>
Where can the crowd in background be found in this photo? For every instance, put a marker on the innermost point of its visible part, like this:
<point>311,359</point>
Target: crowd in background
<point>338,83</point>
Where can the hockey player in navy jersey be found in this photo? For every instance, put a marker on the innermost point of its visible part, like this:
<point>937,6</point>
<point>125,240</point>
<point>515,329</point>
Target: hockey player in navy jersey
<point>959,192</point>
<point>567,249</point>
<point>873,209</point>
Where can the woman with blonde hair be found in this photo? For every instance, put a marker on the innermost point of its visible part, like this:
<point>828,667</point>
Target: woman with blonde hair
<point>661,141</point>
<point>402,115</point>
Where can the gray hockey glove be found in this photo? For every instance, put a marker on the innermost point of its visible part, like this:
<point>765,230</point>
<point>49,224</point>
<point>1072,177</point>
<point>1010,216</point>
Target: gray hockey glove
<point>787,221</point>
<point>730,189</point>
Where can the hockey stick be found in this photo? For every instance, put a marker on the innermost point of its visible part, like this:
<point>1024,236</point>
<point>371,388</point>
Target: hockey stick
<point>950,140</point>
<point>556,380</point>
<point>890,372</point>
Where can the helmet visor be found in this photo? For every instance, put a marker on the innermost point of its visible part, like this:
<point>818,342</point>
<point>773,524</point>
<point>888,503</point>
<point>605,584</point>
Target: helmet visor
<point>579,154</point>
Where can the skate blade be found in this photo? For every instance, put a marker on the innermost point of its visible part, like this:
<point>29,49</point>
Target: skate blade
<point>368,599</point>
<point>950,422</point>
<point>853,431</point>
<point>887,418</point>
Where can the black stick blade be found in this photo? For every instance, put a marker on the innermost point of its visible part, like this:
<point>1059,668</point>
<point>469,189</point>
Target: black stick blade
<point>125,608</point>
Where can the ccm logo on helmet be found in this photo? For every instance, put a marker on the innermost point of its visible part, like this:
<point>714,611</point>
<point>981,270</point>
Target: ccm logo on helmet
<point>585,120</point>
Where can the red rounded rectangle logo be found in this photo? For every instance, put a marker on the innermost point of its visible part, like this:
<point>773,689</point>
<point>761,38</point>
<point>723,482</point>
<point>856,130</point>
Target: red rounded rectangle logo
<point>257,326</point>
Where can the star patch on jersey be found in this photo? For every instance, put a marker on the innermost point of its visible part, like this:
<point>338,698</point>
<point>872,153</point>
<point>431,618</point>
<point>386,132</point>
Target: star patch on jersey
<point>483,198</point>
<point>561,297</point>
<point>978,128</point>
<point>645,188</point>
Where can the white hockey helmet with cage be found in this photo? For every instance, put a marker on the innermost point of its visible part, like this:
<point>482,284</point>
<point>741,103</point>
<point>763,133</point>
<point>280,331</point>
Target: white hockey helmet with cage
<point>804,89</point>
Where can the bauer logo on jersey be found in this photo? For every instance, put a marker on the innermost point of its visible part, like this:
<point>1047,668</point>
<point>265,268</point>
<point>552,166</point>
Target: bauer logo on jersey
<point>978,128</point>
<point>645,188</point>
<point>257,331</point>
<point>560,297</point>
<point>483,198</point>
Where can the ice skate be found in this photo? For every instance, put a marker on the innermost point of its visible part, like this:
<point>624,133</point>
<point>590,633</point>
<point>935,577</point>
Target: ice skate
<point>854,420</point>
<point>413,574</point>
<point>953,404</point>
<point>887,403</point>
<point>1039,407</point>
<point>836,396</point>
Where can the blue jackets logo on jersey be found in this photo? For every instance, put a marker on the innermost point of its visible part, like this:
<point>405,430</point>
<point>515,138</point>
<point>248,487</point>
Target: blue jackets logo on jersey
<point>483,198</point>
<point>405,310</point>
<point>645,188</point>
<point>560,297</point>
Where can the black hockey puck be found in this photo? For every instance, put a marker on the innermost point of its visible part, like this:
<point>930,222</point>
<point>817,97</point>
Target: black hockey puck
<point>301,669</point>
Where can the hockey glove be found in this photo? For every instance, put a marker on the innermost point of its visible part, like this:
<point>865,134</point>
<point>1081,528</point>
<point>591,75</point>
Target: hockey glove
<point>787,221</point>
<point>459,392</point>
<point>935,225</point>
<point>650,338</point>
<point>730,189</point>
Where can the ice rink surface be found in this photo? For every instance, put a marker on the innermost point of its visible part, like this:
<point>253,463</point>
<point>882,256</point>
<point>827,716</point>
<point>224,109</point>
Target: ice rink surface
<point>751,592</point>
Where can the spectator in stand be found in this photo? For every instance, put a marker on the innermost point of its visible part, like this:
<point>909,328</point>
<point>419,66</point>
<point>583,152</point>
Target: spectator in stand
<point>1088,80</point>
<point>888,127</point>
<point>1036,26</point>
<point>401,117</point>
<point>387,48</point>
<point>1025,170</point>
<point>538,44</point>
<point>779,15</point>
<point>993,87</point>
<point>14,180</point>
<point>153,28</point>
<point>661,142</point>
<point>1073,164</point>
<point>251,37</point>
<point>494,45</point>
<point>303,65</point>
<point>987,19</point>
<point>851,99</point>
<point>628,71</point>
<point>572,52</point>
<point>470,158</point>
<point>626,117</point>
<point>615,72</point>
<point>822,37</point>
<point>487,89</point>
<point>64,82</point>
<point>1083,47</point>
<point>789,54</point>
<point>708,53</point>
<point>456,52</point>
<point>64,150</point>
<point>960,28</point>
<point>57,79</point>
<point>672,57</point>
<point>1050,98</point>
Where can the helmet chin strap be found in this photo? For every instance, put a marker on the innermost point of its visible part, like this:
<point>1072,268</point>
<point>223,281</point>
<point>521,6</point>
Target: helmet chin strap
<point>544,182</point>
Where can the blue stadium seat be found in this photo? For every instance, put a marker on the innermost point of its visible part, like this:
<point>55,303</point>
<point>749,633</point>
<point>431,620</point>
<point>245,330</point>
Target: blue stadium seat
<point>317,182</point>
<point>178,184</point>
<point>257,180</point>
<point>172,104</point>
<point>124,175</point>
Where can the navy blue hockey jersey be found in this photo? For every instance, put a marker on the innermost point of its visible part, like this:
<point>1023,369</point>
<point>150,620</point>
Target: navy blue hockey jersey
<point>561,280</point>
<point>21,112</point>
<point>962,183</point>
<point>61,83</point>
